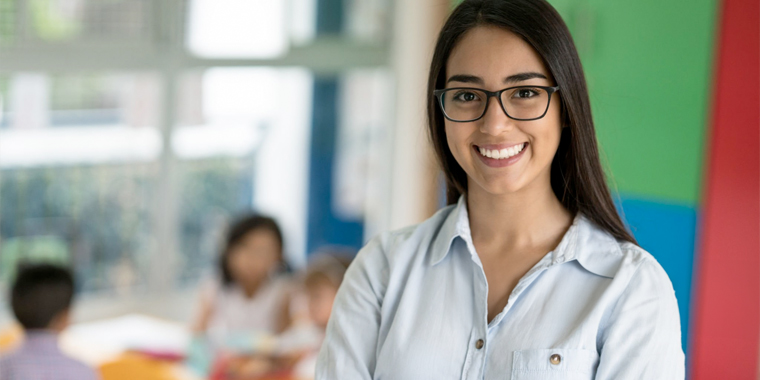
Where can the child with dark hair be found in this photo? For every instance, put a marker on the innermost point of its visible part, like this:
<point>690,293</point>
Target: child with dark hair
<point>293,354</point>
<point>251,293</point>
<point>41,299</point>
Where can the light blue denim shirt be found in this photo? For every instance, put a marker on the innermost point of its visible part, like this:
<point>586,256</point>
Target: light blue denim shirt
<point>413,305</point>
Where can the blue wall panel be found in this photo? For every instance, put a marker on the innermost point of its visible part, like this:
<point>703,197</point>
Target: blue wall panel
<point>325,228</point>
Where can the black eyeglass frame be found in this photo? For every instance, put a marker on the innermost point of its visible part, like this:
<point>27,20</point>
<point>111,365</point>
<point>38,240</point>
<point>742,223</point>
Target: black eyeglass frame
<point>497,94</point>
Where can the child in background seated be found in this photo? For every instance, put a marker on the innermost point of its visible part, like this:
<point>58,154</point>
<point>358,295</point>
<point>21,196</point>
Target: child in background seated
<point>41,298</point>
<point>321,282</point>
<point>252,294</point>
<point>293,353</point>
<point>323,277</point>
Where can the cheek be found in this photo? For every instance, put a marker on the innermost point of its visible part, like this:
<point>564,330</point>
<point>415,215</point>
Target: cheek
<point>238,265</point>
<point>320,305</point>
<point>270,259</point>
<point>547,136</point>
<point>456,139</point>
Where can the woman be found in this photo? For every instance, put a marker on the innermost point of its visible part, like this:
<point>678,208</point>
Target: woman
<point>531,274</point>
<point>253,293</point>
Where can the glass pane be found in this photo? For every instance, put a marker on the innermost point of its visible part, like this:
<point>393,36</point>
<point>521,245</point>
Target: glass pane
<point>89,20</point>
<point>95,217</point>
<point>267,29</point>
<point>365,106</point>
<point>8,9</point>
<point>368,20</point>
<point>78,118</point>
<point>243,143</point>
<point>78,170</point>
<point>213,191</point>
<point>237,28</point>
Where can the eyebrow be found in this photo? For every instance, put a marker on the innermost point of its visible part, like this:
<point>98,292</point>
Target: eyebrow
<point>520,77</point>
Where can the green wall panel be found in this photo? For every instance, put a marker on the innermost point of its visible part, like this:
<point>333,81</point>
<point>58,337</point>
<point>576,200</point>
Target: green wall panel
<point>648,64</point>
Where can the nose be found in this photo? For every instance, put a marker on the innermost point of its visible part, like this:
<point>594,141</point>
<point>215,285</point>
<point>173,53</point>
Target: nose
<point>495,121</point>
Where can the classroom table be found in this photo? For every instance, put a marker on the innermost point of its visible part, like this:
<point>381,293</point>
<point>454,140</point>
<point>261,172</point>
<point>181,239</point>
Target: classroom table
<point>137,346</point>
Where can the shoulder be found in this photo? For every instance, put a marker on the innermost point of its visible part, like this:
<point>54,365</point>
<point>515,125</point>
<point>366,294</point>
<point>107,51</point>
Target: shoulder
<point>644,273</point>
<point>5,359</point>
<point>400,245</point>
<point>624,262</point>
<point>282,284</point>
<point>210,286</point>
<point>20,364</point>
<point>82,370</point>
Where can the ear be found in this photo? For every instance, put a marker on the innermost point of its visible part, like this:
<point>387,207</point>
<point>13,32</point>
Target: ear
<point>60,321</point>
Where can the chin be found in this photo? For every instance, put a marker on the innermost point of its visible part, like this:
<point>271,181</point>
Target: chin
<point>501,185</point>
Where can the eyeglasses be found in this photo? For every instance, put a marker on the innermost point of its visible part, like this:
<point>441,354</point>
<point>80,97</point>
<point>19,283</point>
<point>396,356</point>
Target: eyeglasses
<point>524,103</point>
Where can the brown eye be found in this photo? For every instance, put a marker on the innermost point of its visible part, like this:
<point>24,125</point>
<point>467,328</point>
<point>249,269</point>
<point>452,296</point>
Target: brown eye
<point>466,96</point>
<point>525,93</point>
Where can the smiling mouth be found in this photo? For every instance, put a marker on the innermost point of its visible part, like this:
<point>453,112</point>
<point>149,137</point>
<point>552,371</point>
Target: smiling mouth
<point>501,154</point>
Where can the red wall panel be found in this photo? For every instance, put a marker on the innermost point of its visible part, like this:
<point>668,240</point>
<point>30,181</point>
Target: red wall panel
<point>726,328</point>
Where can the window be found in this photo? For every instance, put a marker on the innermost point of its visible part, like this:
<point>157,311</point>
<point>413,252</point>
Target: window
<point>132,130</point>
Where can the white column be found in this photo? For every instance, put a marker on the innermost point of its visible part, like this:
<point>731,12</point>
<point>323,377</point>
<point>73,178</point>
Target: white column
<point>408,193</point>
<point>281,174</point>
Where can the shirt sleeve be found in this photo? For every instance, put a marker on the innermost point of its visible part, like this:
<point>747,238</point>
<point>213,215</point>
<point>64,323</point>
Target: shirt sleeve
<point>642,337</point>
<point>349,350</point>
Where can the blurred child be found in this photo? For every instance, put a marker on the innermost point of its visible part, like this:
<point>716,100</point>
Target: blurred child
<point>252,293</point>
<point>293,353</point>
<point>41,299</point>
<point>321,282</point>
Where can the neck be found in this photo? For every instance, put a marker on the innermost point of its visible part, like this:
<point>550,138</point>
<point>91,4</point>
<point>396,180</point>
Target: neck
<point>530,218</point>
<point>42,332</point>
<point>250,288</point>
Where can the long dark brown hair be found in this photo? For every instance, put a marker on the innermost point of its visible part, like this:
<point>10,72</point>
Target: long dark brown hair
<point>577,178</point>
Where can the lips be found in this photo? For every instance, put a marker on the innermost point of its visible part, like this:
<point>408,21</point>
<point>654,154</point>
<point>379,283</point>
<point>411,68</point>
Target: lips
<point>500,155</point>
<point>504,153</point>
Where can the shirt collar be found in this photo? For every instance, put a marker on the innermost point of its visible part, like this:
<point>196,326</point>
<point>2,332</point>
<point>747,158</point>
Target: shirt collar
<point>456,224</point>
<point>595,249</point>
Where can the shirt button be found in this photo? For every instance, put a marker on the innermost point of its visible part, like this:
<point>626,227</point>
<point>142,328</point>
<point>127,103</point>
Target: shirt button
<point>479,344</point>
<point>555,359</point>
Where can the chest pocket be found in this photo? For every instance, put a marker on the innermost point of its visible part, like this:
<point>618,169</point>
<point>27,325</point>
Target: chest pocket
<point>554,364</point>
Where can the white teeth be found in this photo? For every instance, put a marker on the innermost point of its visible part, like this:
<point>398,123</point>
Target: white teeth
<point>504,153</point>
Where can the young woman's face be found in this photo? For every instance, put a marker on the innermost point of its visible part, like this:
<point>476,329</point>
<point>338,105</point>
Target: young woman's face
<point>254,256</point>
<point>492,59</point>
